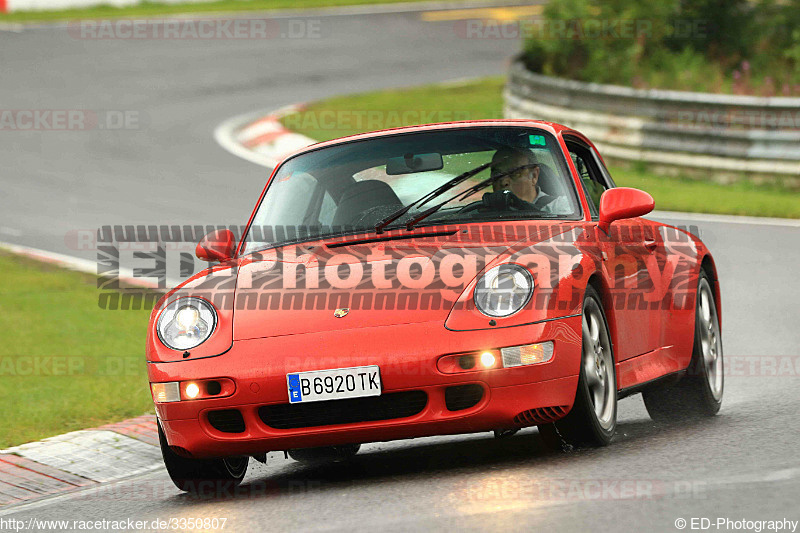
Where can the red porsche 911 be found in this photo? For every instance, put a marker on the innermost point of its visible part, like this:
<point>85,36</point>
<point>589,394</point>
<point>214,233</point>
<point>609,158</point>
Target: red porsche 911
<point>431,280</point>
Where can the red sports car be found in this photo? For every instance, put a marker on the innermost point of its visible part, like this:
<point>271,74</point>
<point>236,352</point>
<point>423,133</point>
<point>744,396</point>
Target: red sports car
<point>430,280</point>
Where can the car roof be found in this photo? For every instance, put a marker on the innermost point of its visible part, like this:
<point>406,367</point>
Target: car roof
<point>550,127</point>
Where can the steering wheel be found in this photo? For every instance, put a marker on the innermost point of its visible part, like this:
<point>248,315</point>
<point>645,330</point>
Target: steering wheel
<point>506,205</point>
<point>474,206</point>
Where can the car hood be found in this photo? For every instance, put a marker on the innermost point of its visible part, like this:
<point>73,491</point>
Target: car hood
<point>321,287</point>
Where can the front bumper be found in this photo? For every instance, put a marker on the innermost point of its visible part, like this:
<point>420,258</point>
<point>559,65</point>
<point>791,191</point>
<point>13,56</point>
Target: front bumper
<point>406,355</point>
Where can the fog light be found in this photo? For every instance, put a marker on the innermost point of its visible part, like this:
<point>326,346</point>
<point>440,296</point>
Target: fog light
<point>528,354</point>
<point>213,388</point>
<point>166,392</point>
<point>467,362</point>
<point>192,390</point>
<point>487,359</point>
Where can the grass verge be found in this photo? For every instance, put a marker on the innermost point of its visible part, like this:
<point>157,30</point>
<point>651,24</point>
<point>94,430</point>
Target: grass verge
<point>154,9</point>
<point>65,363</point>
<point>481,99</point>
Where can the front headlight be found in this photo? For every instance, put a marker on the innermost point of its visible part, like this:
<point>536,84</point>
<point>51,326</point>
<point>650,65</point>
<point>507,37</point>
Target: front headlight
<point>503,290</point>
<point>186,323</point>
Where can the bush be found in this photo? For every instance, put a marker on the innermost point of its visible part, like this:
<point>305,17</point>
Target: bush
<point>710,45</point>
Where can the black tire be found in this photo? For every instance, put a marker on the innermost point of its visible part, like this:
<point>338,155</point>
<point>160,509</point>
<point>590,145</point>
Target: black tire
<point>698,394</point>
<point>588,424</point>
<point>324,454</point>
<point>202,476</point>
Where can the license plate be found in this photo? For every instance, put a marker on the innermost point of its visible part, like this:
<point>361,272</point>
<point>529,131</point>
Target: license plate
<point>335,384</point>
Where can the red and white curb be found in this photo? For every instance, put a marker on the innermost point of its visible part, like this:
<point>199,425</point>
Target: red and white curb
<point>79,459</point>
<point>260,137</point>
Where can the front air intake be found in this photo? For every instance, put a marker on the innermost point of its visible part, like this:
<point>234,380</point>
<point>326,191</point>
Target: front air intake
<point>227,421</point>
<point>460,397</point>
<point>349,411</point>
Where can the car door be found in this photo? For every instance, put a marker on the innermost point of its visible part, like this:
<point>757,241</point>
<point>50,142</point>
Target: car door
<point>629,256</point>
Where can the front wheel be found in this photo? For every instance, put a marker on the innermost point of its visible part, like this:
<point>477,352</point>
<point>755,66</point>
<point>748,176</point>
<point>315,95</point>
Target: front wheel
<point>593,418</point>
<point>202,475</point>
<point>699,393</point>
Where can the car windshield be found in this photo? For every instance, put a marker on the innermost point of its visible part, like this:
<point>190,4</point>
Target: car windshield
<point>352,187</point>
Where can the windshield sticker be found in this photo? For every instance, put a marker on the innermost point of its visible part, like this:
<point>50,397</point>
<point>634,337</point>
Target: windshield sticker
<point>537,140</point>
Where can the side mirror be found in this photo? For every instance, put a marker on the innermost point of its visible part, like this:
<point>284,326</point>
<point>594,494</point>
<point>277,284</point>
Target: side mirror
<point>218,245</point>
<point>623,202</point>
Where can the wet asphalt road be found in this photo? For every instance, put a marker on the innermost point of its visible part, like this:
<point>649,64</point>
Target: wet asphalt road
<point>742,464</point>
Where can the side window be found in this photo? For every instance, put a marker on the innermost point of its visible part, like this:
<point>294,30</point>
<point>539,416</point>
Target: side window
<point>603,170</point>
<point>593,180</point>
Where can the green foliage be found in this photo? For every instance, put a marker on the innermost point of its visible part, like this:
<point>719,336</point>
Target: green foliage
<point>708,45</point>
<point>717,28</point>
<point>593,40</point>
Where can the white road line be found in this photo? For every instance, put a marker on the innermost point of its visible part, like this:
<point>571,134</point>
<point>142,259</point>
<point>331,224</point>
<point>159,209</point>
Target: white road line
<point>12,27</point>
<point>72,263</point>
<point>79,264</point>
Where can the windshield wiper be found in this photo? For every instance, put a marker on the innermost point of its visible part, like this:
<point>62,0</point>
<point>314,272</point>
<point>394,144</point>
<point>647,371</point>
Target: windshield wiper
<point>379,227</point>
<point>465,194</point>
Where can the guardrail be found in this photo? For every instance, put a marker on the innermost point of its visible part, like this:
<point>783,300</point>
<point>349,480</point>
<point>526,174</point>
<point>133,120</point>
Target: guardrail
<point>719,137</point>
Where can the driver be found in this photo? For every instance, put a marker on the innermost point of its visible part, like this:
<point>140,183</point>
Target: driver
<point>523,183</point>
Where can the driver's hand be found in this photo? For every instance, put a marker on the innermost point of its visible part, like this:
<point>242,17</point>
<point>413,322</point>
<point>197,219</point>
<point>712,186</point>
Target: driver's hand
<point>503,200</point>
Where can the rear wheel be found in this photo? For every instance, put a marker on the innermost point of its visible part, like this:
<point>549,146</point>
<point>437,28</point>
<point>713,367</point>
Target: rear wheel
<point>699,392</point>
<point>593,418</point>
<point>202,475</point>
<point>324,454</point>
